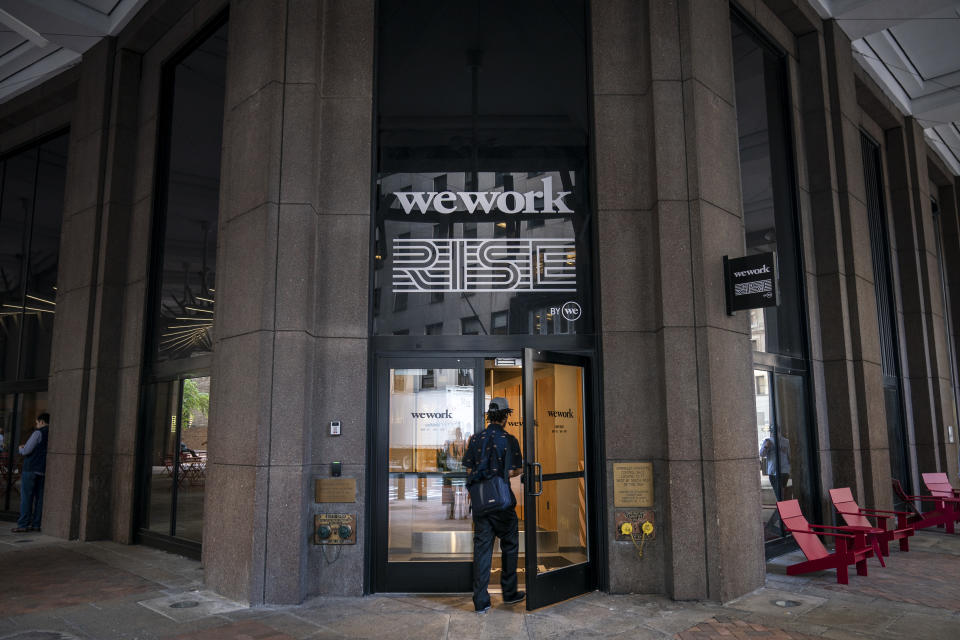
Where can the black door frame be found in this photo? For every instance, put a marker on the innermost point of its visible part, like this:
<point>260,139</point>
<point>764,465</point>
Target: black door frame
<point>410,348</point>
<point>141,534</point>
<point>578,579</point>
<point>419,577</point>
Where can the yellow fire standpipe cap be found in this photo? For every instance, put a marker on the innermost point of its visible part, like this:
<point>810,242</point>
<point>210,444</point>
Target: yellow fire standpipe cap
<point>647,528</point>
<point>626,528</point>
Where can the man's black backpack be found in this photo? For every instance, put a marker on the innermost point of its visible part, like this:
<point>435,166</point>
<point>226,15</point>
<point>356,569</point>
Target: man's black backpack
<point>491,492</point>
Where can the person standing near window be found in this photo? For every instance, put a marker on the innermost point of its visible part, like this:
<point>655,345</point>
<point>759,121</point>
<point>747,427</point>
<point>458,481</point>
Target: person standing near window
<point>778,466</point>
<point>34,454</point>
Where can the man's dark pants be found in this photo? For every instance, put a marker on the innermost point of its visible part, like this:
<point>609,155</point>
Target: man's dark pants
<point>31,500</point>
<point>503,525</point>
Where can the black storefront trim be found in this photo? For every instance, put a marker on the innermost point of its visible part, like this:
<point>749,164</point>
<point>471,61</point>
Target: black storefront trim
<point>172,544</point>
<point>786,174</point>
<point>167,371</point>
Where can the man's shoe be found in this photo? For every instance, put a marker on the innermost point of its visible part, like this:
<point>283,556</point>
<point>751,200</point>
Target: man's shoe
<point>20,530</point>
<point>480,612</point>
<point>37,529</point>
<point>515,599</point>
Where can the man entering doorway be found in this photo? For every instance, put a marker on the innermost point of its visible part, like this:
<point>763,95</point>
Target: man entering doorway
<point>502,524</point>
<point>34,453</point>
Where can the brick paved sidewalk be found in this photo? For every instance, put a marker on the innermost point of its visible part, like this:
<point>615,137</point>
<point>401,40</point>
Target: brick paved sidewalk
<point>56,590</point>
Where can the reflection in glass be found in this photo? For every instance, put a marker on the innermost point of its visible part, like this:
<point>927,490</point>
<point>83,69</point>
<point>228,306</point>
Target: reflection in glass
<point>164,470</point>
<point>450,272</point>
<point>771,485</point>
<point>9,464</point>
<point>782,437</point>
<point>40,303</point>
<point>793,438</point>
<point>431,418</point>
<point>768,210</point>
<point>184,311</point>
<point>18,419</point>
<point>16,207</point>
<point>509,125</point>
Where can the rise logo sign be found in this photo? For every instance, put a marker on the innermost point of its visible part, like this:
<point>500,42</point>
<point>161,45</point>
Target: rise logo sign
<point>447,202</point>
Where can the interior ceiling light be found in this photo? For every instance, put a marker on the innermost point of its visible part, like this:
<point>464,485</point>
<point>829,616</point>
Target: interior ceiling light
<point>187,320</point>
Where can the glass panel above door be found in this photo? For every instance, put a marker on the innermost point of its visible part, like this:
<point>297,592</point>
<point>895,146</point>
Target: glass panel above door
<point>482,253</point>
<point>482,215</point>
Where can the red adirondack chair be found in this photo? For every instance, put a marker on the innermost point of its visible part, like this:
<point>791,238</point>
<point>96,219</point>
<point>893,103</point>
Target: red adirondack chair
<point>851,547</point>
<point>879,535</point>
<point>941,515</point>
<point>938,484</point>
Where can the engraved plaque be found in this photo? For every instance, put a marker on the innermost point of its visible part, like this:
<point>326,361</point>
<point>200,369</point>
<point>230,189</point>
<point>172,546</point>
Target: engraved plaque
<point>335,490</point>
<point>633,484</point>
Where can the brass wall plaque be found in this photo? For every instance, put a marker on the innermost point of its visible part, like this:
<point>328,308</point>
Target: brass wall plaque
<point>335,490</point>
<point>334,528</point>
<point>633,484</point>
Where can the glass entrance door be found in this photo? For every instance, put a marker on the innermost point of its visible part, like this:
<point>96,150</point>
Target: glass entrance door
<point>555,512</point>
<point>175,451</point>
<point>428,408</point>
<point>431,406</point>
<point>782,428</point>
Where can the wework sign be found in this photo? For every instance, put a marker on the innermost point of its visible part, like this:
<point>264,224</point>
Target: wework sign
<point>544,201</point>
<point>750,281</point>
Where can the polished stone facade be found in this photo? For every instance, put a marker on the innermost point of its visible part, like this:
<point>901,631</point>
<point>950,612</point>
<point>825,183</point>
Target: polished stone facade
<point>291,350</point>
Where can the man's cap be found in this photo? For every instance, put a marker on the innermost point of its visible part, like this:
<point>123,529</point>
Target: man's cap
<point>499,404</point>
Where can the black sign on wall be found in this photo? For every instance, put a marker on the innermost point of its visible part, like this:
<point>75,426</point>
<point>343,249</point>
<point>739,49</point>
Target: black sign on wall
<point>750,282</point>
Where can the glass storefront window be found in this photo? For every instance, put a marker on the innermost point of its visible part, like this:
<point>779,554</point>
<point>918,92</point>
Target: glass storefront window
<point>178,458</point>
<point>769,217</point>
<point>482,217</point>
<point>173,457</point>
<point>508,256</point>
<point>785,443</point>
<point>41,290</point>
<point>15,210</point>
<point>183,313</point>
<point>18,419</point>
<point>9,472</point>
<point>31,212</point>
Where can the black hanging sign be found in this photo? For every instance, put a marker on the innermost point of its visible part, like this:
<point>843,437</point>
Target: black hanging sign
<point>750,282</point>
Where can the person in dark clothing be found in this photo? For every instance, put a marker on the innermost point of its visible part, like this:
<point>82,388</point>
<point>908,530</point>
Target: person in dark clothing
<point>502,524</point>
<point>34,453</point>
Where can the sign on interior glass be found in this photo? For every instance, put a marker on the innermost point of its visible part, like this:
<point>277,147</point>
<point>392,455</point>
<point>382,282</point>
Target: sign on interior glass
<point>480,253</point>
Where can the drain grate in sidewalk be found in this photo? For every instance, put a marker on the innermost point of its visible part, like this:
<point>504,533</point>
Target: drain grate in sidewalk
<point>193,605</point>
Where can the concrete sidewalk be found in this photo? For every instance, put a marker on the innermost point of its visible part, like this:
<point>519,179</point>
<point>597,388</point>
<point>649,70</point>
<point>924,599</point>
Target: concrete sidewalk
<point>56,590</point>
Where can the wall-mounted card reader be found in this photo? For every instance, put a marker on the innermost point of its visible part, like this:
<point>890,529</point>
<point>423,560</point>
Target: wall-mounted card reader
<point>335,428</point>
<point>335,469</point>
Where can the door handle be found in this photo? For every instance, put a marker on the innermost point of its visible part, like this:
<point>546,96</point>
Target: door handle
<point>538,479</point>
